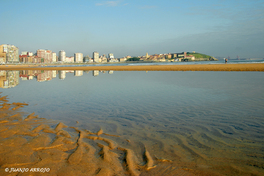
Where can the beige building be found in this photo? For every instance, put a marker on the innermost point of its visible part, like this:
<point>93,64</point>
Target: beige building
<point>78,57</point>
<point>9,53</point>
<point>69,59</point>
<point>190,57</point>
<point>2,54</point>
<point>147,56</point>
<point>123,59</point>
<point>45,55</point>
<point>54,57</point>
<point>96,56</point>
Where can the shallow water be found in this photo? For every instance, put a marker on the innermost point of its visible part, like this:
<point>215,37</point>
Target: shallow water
<point>210,121</point>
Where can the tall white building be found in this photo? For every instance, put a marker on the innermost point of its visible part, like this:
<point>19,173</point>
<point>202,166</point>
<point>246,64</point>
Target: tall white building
<point>62,56</point>
<point>30,53</point>
<point>54,57</point>
<point>78,57</point>
<point>96,56</point>
<point>111,56</point>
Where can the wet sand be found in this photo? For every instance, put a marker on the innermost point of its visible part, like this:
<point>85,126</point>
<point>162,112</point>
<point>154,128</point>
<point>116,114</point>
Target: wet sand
<point>197,67</point>
<point>30,145</point>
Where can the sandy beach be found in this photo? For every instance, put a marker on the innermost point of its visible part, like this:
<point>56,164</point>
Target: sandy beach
<point>197,67</point>
<point>31,145</point>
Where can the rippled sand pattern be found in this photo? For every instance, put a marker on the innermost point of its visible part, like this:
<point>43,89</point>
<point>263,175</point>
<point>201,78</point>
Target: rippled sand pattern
<point>34,142</point>
<point>206,146</point>
<point>204,132</point>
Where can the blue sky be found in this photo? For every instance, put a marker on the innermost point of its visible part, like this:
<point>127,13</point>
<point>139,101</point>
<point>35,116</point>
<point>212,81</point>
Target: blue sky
<point>134,27</point>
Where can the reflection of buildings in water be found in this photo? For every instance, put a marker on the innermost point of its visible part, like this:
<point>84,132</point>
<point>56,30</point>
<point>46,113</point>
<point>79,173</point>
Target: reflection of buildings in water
<point>40,75</point>
<point>78,72</point>
<point>28,74</point>
<point>30,77</point>
<point>44,76</point>
<point>54,73</point>
<point>9,79</point>
<point>95,72</point>
<point>69,71</point>
<point>2,78</point>
<point>24,78</point>
<point>62,74</point>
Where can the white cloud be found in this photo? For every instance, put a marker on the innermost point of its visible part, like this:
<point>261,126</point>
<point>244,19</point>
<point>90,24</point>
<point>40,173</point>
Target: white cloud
<point>108,3</point>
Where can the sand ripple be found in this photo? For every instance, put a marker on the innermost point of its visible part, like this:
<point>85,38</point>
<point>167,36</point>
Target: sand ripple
<point>34,142</point>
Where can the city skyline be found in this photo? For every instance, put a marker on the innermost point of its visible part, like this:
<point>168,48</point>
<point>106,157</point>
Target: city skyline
<point>218,28</point>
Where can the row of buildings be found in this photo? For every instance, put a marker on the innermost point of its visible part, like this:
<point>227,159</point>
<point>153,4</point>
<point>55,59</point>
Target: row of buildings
<point>47,56</point>
<point>168,56</point>
<point>9,54</point>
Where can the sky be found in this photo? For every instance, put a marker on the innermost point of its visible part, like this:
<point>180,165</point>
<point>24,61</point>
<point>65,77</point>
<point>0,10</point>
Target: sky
<point>219,28</point>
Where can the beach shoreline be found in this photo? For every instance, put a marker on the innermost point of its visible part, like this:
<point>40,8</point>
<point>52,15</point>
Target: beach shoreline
<point>34,145</point>
<point>191,67</point>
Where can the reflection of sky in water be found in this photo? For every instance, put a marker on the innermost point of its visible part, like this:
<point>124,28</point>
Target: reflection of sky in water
<point>150,92</point>
<point>178,114</point>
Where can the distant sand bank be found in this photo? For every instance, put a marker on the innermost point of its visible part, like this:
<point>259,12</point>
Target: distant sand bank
<point>197,67</point>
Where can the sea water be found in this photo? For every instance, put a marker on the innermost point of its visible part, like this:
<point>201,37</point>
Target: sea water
<point>212,119</point>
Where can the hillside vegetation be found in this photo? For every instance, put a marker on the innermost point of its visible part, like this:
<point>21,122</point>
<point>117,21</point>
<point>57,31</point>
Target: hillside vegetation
<point>199,55</point>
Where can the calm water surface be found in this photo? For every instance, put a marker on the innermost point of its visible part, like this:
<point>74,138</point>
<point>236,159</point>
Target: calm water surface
<point>214,120</point>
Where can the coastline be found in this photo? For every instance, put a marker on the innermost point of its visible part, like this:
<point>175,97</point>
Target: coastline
<point>197,67</point>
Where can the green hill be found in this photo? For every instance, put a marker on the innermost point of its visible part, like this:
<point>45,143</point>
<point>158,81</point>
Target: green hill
<point>202,56</point>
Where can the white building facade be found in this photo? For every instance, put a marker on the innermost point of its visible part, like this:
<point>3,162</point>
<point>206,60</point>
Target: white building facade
<point>62,56</point>
<point>54,57</point>
<point>96,56</point>
<point>111,56</point>
<point>69,59</point>
<point>78,57</point>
